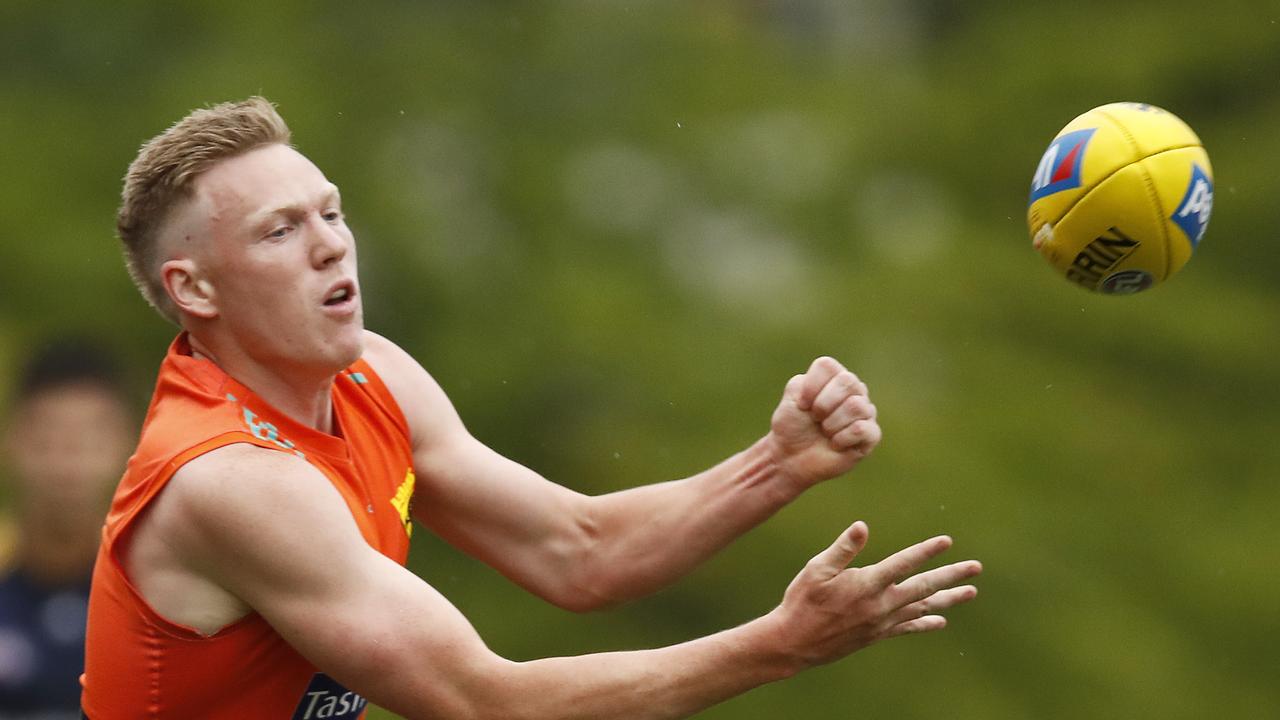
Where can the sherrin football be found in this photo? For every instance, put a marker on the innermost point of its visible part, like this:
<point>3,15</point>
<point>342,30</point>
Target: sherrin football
<point>1121,198</point>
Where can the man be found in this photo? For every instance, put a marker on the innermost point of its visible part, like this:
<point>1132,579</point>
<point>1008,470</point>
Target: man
<point>65,437</point>
<point>252,563</point>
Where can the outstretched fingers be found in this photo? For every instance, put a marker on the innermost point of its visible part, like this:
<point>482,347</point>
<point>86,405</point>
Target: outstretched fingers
<point>935,603</point>
<point>928,623</point>
<point>832,609</point>
<point>925,584</point>
<point>907,560</point>
<point>930,592</point>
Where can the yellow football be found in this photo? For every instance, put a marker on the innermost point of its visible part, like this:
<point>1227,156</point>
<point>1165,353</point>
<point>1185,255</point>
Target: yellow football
<point>1121,198</point>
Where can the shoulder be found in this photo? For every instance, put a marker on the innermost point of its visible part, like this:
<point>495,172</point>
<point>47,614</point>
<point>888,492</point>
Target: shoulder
<point>244,504</point>
<point>225,490</point>
<point>424,403</point>
<point>403,376</point>
<point>237,466</point>
<point>215,484</point>
<point>242,527</point>
<point>388,359</point>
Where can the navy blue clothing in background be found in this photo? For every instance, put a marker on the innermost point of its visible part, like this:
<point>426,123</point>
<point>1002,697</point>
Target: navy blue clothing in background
<point>41,648</point>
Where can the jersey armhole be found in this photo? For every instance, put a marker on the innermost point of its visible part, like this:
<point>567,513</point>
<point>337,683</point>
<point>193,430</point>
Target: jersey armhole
<point>119,537</point>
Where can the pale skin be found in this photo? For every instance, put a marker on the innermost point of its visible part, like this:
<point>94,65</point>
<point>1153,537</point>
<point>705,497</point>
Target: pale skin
<point>265,229</point>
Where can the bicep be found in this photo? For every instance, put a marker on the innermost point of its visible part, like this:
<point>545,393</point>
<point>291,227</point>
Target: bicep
<point>530,529</point>
<point>501,512</point>
<point>286,544</point>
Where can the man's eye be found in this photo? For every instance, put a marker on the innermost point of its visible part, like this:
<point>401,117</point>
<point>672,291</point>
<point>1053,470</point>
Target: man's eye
<point>278,232</point>
<point>332,215</point>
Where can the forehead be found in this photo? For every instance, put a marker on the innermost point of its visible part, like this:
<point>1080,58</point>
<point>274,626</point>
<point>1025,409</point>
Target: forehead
<point>79,403</point>
<point>263,179</point>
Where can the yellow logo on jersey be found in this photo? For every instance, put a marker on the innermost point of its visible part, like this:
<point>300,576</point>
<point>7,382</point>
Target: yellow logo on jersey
<point>404,495</point>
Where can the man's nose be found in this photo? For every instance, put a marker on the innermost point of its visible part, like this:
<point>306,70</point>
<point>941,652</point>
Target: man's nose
<point>329,244</point>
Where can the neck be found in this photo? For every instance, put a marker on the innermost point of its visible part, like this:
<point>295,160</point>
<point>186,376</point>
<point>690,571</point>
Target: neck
<point>304,397</point>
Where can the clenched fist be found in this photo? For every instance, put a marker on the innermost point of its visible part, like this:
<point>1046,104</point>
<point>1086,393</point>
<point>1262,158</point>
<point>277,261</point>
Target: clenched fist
<point>824,424</point>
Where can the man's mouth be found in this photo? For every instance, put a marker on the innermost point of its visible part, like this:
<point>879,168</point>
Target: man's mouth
<point>338,296</point>
<point>343,293</point>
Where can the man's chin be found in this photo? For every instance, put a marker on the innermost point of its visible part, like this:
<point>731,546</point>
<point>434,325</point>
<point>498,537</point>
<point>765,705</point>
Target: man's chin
<point>349,346</point>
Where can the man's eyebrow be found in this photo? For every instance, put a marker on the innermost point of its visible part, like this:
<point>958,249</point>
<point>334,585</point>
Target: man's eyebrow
<point>331,192</point>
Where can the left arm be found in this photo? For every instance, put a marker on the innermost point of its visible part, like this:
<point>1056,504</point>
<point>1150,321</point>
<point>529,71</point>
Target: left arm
<point>582,552</point>
<point>654,534</point>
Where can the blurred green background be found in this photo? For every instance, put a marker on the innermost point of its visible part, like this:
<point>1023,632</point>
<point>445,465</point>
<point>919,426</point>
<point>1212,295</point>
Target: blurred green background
<point>612,230</point>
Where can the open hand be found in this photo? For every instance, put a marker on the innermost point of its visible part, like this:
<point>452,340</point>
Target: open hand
<point>831,609</point>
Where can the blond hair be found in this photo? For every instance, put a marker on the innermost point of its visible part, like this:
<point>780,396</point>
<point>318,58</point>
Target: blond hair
<point>165,170</point>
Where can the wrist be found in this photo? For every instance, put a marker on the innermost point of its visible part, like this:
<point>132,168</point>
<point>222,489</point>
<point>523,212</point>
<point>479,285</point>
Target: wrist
<point>778,458</point>
<point>769,644</point>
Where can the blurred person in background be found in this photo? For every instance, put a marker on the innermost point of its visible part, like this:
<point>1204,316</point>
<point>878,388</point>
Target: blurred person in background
<point>252,563</point>
<point>65,439</point>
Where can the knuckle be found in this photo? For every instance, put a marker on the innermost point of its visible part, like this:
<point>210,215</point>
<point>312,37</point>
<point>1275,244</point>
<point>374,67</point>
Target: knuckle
<point>826,362</point>
<point>872,433</point>
<point>852,381</point>
<point>831,425</point>
<point>817,566</point>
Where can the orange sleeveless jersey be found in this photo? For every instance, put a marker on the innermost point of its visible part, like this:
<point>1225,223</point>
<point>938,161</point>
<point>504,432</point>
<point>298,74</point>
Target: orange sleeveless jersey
<point>140,665</point>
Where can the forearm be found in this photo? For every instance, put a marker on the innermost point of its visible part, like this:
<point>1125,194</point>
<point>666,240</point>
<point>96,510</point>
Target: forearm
<point>659,684</point>
<point>647,537</point>
<point>425,661</point>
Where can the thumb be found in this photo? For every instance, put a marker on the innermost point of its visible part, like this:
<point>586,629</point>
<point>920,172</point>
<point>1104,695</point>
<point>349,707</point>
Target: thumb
<point>836,558</point>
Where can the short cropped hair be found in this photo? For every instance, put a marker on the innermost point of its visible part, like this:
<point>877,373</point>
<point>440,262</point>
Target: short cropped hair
<point>163,173</point>
<point>70,360</point>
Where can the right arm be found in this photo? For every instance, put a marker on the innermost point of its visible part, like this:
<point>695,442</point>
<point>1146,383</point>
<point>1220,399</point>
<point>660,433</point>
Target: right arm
<point>285,544</point>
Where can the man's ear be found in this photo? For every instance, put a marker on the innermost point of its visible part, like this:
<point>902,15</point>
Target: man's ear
<point>191,292</point>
